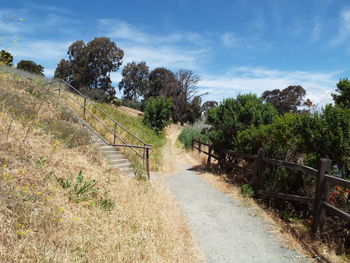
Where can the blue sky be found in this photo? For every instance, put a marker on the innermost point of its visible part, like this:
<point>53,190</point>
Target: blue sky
<point>235,46</point>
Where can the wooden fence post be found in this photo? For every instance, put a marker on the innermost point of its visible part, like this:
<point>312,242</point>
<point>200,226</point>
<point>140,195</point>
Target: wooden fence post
<point>210,151</point>
<point>192,144</point>
<point>258,166</point>
<point>199,146</point>
<point>325,165</point>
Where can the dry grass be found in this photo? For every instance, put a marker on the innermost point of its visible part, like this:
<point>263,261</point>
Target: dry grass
<point>41,222</point>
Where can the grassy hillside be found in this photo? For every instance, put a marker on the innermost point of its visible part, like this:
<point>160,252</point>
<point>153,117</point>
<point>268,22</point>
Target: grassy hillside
<point>61,202</point>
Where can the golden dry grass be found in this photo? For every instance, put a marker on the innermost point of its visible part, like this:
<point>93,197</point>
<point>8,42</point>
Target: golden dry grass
<point>41,222</point>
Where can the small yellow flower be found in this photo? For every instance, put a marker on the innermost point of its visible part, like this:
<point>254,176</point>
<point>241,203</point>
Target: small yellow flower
<point>61,219</point>
<point>75,218</point>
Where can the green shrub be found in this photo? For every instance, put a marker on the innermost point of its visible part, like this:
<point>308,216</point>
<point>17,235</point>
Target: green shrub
<point>280,139</point>
<point>190,132</point>
<point>233,115</point>
<point>247,190</point>
<point>157,113</point>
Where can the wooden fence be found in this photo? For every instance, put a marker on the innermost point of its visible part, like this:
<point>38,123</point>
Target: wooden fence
<point>323,181</point>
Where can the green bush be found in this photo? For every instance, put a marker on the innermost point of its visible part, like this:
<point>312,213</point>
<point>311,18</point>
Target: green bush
<point>157,113</point>
<point>280,139</point>
<point>327,135</point>
<point>233,115</point>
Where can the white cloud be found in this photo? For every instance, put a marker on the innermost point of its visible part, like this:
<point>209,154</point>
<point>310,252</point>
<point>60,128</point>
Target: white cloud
<point>229,39</point>
<point>344,27</point>
<point>318,86</point>
<point>316,32</point>
<point>41,51</point>
<point>123,30</point>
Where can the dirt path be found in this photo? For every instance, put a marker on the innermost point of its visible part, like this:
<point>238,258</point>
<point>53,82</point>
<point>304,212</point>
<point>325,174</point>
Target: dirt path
<point>225,228</point>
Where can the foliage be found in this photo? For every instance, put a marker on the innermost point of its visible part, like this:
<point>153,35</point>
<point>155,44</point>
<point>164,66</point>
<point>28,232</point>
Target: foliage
<point>342,95</point>
<point>192,132</point>
<point>135,80</point>
<point>247,190</point>
<point>281,139</point>
<point>6,58</point>
<point>31,67</point>
<point>208,105</point>
<point>162,82</point>
<point>327,134</point>
<point>233,115</point>
<point>89,66</point>
<point>194,111</point>
<point>157,113</point>
<point>286,100</point>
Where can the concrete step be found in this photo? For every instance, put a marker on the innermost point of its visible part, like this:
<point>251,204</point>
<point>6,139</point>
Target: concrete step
<point>119,161</point>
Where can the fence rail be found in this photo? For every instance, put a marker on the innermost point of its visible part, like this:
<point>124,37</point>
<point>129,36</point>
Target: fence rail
<point>142,150</point>
<point>323,181</point>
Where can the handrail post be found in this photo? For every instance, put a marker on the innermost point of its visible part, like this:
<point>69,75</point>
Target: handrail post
<point>199,146</point>
<point>114,133</point>
<point>258,166</point>
<point>325,165</point>
<point>84,108</point>
<point>147,163</point>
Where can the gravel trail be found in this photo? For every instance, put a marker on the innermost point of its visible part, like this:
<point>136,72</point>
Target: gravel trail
<point>226,229</point>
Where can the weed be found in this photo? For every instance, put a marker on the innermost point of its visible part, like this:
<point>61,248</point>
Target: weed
<point>247,190</point>
<point>83,189</point>
<point>65,183</point>
<point>41,161</point>
<point>106,204</point>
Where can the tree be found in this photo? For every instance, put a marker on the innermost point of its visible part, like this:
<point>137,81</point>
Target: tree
<point>233,115</point>
<point>184,103</point>
<point>31,67</point>
<point>286,100</point>
<point>6,58</point>
<point>342,95</point>
<point>158,112</point>
<point>89,66</point>
<point>194,109</point>
<point>162,82</point>
<point>135,80</point>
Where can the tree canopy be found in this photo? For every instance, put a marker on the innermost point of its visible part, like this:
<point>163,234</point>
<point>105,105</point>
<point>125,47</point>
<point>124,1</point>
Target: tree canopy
<point>31,67</point>
<point>89,66</point>
<point>134,83</point>
<point>286,100</point>
<point>342,95</point>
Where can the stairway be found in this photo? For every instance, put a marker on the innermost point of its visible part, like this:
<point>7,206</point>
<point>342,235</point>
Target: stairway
<point>114,157</point>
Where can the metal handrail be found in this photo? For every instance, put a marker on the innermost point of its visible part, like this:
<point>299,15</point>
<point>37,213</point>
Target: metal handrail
<point>146,147</point>
<point>97,107</point>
